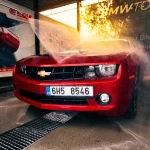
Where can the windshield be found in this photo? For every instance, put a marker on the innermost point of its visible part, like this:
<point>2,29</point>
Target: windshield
<point>7,58</point>
<point>104,45</point>
<point>99,48</point>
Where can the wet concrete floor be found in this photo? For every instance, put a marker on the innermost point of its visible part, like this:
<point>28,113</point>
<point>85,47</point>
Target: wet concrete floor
<point>86,131</point>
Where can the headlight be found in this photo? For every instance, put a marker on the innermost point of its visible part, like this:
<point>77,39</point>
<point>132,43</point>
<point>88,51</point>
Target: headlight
<point>22,69</point>
<point>90,72</point>
<point>106,70</point>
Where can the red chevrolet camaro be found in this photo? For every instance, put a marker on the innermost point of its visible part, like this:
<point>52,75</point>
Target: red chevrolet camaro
<point>102,76</point>
<point>9,39</point>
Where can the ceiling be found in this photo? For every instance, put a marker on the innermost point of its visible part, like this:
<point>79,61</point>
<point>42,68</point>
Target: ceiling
<point>43,4</point>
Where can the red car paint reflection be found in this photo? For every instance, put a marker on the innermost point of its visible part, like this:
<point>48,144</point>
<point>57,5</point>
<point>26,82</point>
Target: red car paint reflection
<point>33,76</point>
<point>9,39</point>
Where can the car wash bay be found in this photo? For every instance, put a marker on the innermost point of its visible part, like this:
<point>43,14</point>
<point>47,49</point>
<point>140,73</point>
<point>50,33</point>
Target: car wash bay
<point>84,130</point>
<point>25,127</point>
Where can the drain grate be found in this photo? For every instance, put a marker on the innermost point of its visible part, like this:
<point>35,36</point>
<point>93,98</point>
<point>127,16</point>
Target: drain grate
<point>24,135</point>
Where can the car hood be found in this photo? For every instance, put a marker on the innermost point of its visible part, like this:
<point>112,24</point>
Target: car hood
<point>50,61</point>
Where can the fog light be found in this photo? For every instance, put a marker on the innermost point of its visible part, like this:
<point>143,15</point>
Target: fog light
<point>103,98</point>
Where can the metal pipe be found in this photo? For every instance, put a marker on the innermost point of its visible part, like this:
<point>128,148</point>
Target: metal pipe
<point>78,15</point>
<point>36,16</point>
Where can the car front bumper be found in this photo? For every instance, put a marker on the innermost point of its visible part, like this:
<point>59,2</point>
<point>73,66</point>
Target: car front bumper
<point>118,88</point>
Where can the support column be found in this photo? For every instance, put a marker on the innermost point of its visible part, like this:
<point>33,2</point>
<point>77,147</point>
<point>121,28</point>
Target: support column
<point>36,16</point>
<point>78,15</point>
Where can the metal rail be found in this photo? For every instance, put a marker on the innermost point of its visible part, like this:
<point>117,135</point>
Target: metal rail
<point>24,135</point>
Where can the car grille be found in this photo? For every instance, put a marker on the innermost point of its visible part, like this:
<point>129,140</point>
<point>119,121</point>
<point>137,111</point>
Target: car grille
<point>57,73</point>
<point>53,100</point>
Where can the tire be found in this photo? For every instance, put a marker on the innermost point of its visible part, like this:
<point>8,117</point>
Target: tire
<point>132,109</point>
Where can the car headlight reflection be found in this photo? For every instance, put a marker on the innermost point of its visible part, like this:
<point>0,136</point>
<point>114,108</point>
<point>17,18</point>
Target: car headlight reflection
<point>90,72</point>
<point>22,69</point>
<point>106,70</point>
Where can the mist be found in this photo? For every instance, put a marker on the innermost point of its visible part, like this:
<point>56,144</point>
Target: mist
<point>59,40</point>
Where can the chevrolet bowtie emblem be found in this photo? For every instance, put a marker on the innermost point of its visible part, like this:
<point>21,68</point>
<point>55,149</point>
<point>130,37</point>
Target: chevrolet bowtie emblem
<point>43,73</point>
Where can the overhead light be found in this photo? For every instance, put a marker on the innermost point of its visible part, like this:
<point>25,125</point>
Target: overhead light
<point>46,13</point>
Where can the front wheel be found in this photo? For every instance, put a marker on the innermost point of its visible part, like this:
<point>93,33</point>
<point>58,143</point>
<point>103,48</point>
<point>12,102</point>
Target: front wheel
<point>132,109</point>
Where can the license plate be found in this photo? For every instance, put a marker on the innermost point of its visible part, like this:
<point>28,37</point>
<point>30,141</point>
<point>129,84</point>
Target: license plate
<point>70,91</point>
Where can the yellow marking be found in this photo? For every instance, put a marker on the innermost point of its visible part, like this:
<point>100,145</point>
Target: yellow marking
<point>43,73</point>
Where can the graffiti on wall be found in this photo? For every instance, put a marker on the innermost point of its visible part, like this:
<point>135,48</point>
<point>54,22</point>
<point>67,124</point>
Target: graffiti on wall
<point>125,19</point>
<point>127,8</point>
